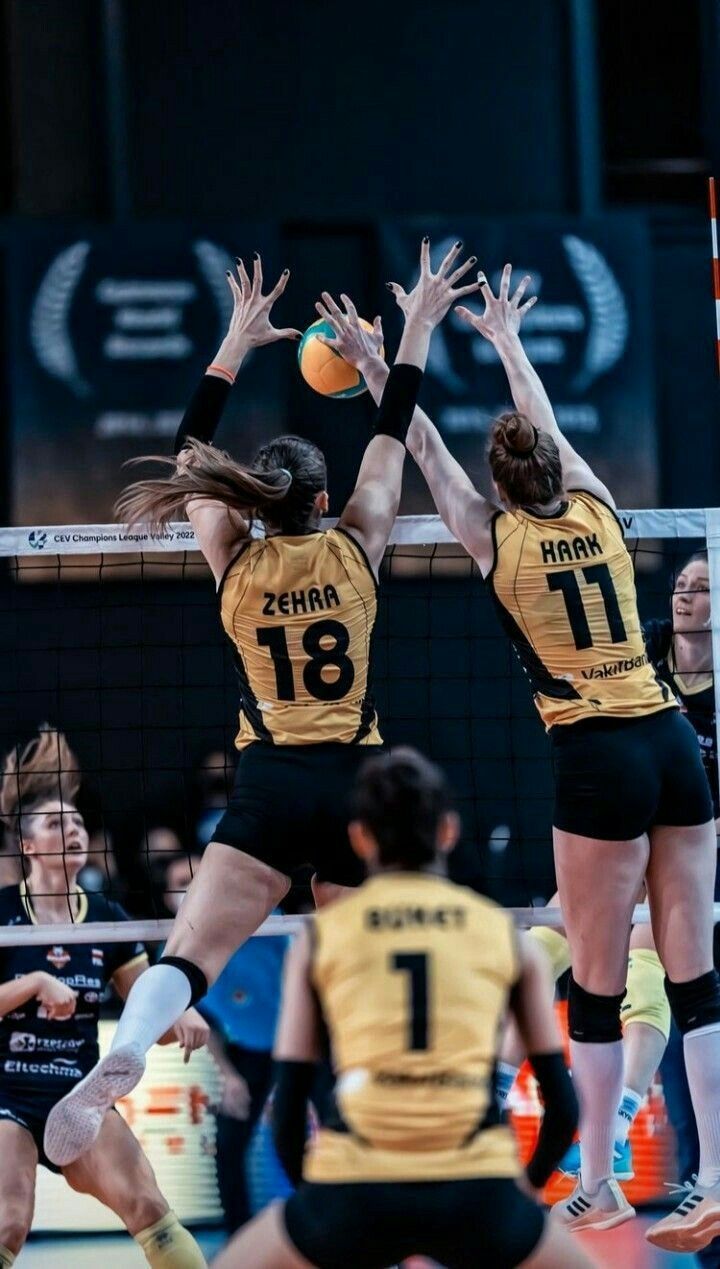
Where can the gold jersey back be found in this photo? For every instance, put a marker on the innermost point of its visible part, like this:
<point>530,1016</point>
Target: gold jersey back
<point>300,613</point>
<point>413,976</point>
<point>565,592</point>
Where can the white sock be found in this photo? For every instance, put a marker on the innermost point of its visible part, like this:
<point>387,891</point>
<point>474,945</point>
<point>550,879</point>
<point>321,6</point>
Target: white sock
<point>158,998</point>
<point>505,1077</point>
<point>598,1075</point>
<point>702,1063</point>
<point>629,1107</point>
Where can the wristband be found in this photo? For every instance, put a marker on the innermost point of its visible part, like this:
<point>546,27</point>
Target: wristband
<point>398,402</point>
<point>220,370</point>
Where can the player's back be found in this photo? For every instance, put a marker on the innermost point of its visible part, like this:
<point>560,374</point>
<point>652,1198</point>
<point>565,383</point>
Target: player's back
<point>300,611</point>
<point>413,975</point>
<point>565,587</point>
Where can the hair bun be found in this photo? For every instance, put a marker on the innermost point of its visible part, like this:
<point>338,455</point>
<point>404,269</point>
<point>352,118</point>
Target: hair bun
<point>517,434</point>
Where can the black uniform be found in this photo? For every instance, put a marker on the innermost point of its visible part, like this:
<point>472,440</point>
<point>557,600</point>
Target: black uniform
<point>697,703</point>
<point>41,1059</point>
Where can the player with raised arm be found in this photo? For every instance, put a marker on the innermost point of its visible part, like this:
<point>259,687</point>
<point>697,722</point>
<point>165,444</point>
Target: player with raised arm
<point>409,978</point>
<point>49,1009</point>
<point>298,606</point>
<point>631,797</point>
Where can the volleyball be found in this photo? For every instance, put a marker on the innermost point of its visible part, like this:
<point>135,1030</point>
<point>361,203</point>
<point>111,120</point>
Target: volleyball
<point>323,368</point>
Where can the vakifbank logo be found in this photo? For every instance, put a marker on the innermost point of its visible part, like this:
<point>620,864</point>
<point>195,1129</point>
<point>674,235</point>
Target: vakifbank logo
<point>37,539</point>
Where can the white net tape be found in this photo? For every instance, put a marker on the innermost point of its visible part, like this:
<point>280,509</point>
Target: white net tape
<point>111,539</point>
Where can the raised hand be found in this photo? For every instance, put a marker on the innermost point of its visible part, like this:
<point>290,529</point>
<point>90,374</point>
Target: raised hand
<point>355,344</point>
<point>503,313</point>
<point>434,293</point>
<point>250,323</point>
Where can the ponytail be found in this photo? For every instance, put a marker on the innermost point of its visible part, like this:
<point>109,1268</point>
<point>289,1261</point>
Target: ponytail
<point>207,473</point>
<point>46,768</point>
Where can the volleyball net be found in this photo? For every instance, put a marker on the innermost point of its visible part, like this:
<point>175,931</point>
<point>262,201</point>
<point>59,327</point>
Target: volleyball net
<point>114,638</point>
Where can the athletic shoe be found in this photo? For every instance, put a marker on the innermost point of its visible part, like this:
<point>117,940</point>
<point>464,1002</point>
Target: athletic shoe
<point>605,1209</point>
<point>622,1161</point>
<point>693,1224</point>
<point>73,1125</point>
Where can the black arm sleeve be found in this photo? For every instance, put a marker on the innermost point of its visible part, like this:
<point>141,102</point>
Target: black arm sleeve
<point>398,402</point>
<point>293,1083</point>
<point>204,412</point>
<point>658,638</point>
<point>560,1119</point>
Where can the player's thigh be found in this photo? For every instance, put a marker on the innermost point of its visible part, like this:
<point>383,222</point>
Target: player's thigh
<point>229,897</point>
<point>598,883</point>
<point>558,1250</point>
<point>18,1169</point>
<point>117,1173</point>
<point>264,1244</point>
<point>681,881</point>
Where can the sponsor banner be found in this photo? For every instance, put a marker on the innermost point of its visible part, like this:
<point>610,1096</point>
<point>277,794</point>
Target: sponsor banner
<point>589,337</point>
<point>110,331</point>
<point>114,539</point>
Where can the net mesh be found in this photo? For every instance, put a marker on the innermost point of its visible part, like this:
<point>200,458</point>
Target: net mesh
<point>116,641</point>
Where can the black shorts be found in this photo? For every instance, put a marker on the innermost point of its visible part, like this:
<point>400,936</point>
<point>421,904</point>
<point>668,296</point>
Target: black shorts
<point>615,779</point>
<point>30,1110</point>
<point>290,806</point>
<point>462,1224</point>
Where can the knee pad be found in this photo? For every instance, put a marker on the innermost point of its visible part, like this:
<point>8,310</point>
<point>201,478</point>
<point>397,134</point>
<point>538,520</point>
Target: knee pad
<point>196,978</point>
<point>646,1000</point>
<point>593,1019</point>
<point>695,1004</point>
<point>555,945</point>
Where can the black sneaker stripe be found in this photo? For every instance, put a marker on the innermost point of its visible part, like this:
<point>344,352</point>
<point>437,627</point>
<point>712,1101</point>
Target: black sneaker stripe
<point>583,1201</point>
<point>574,1209</point>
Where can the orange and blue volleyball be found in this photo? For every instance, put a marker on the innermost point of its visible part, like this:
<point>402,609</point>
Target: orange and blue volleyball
<point>323,368</point>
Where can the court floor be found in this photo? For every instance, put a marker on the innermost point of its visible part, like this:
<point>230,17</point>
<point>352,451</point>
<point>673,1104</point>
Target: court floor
<point>623,1248</point>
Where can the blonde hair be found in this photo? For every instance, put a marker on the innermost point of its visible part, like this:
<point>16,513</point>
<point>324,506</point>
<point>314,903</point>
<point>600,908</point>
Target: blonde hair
<point>209,473</point>
<point>45,769</point>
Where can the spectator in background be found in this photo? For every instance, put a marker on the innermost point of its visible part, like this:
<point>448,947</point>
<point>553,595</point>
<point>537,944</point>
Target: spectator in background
<point>241,1008</point>
<point>101,874</point>
<point>213,777</point>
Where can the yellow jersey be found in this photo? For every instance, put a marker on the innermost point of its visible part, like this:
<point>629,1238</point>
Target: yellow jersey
<point>413,976</point>
<point>300,612</point>
<point>564,586</point>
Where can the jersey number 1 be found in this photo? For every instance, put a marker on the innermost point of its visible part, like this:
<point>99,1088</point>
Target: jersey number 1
<point>275,638</point>
<point>596,575</point>
<point>415,964</point>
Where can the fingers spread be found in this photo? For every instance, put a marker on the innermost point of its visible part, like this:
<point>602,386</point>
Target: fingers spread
<point>397,290</point>
<point>528,304</point>
<point>522,288</point>
<point>377,327</point>
<point>244,278</point>
<point>452,254</point>
<point>485,288</point>
<point>470,289</point>
<point>257,274</point>
<point>350,308</point>
<point>464,268</point>
<point>331,306</point>
<point>279,287</point>
<point>425,255</point>
<point>505,281</point>
<point>234,287</point>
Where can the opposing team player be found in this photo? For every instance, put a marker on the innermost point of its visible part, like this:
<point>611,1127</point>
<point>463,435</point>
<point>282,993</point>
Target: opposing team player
<point>299,607</point>
<point>409,978</point>
<point>631,796</point>
<point>49,1007</point>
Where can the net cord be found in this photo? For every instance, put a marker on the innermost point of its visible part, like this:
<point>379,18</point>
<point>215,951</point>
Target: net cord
<point>274,927</point>
<point>116,539</point>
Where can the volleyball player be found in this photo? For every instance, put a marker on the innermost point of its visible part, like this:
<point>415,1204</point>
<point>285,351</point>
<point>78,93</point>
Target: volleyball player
<point>680,649</point>
<point>299,607</point>
<point>49,1008</point>
<point>409,979</point>
<point>632,800</point>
